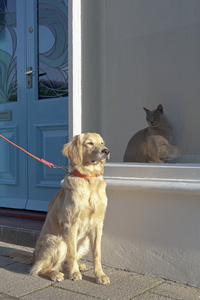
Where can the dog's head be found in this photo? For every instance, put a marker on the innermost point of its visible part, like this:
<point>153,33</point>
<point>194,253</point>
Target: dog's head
<point>86,149</point>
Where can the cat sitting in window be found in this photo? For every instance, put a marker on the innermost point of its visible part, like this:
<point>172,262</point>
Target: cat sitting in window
<point>152,144</point>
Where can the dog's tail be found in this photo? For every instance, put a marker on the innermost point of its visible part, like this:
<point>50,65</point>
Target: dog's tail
<point>20,256</point>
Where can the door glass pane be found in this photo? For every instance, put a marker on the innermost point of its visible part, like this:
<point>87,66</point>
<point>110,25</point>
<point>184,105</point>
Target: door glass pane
<point>8,45</point>
<point>53,48</point>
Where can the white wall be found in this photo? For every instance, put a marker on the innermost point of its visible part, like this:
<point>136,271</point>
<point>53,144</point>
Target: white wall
<point>153,232</point>
<point>141,53</point>
<point>152,221</point>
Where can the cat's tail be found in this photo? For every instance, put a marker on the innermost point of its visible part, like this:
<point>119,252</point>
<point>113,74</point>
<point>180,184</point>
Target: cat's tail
<point>20,256</point>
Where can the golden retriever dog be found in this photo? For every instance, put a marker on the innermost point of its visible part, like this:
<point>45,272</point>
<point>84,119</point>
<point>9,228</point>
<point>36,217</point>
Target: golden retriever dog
<point>75,215</point>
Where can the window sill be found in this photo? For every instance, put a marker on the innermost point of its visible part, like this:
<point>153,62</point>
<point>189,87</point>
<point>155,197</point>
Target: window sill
<point>163,177</point>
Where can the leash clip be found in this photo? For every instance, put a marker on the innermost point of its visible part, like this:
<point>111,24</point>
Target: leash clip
<point>60,167</point>
<point>50,165</point>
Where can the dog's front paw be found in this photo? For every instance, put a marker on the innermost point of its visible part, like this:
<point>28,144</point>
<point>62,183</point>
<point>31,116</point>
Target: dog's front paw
<point>76,276</point>
<point>82,267</point>
<point>102,279</point>
<point>57,276</point>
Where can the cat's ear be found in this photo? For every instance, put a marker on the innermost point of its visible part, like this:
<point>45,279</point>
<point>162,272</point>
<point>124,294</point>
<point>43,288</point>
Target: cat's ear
<point>160,108</point>
<point>147,110</point>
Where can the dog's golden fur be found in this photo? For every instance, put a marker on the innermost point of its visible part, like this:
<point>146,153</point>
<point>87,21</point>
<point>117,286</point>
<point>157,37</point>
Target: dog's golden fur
<point>75,216</point>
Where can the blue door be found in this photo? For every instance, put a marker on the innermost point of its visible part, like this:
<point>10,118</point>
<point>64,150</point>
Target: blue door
<point>33,99</point>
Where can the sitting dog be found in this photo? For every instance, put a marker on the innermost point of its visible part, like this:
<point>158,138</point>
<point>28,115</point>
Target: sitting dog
<point>75,215</point>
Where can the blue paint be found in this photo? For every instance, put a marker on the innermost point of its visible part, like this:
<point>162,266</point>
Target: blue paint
<point>39,124</point>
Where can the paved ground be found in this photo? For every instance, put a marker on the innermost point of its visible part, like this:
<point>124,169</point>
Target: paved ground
<point>16,283</point>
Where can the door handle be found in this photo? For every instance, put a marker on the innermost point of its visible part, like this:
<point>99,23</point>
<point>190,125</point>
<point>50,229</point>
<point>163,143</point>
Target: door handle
<point>28,73</point>
<point>42,74</point>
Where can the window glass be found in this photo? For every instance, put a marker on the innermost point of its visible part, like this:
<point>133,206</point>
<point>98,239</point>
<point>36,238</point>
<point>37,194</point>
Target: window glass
<point>8,46</point>
<point>53,48</point>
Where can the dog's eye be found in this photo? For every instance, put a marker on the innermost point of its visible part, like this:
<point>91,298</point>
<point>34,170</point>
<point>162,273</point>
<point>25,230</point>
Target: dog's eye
<point>90,143</point>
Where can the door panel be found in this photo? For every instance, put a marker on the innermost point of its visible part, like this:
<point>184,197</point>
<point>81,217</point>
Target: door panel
<point>13,165</point>
<point>45,181</point>
<point>8,170</point>
<point>48,125</point>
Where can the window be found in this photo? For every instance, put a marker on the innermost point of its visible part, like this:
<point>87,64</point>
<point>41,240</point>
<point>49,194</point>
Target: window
<point>136,54</point>
<point>53,56</point>
<point>8,56</point>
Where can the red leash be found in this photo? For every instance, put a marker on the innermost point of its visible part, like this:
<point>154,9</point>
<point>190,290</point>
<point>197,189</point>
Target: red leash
<point>50,165</point>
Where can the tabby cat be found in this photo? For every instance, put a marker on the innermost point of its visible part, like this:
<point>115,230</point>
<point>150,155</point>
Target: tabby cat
<point>153,143</point>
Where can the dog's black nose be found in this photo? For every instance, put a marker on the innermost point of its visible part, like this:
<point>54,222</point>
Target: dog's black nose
<point>105,151</point>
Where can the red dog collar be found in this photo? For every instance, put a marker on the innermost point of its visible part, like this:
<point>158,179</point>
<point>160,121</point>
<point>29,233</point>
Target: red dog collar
<point>78,174</point>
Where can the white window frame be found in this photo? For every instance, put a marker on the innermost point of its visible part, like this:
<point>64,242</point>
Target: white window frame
<point>75,59</point>
<point>165,177</point>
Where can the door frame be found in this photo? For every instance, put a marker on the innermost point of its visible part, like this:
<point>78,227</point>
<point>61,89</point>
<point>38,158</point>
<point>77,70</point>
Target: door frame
<point>75,70</point>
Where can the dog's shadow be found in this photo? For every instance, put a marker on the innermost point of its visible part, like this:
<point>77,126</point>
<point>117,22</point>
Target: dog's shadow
<point>13,265</point>
<point>85,277</point>
<point>88,278</point>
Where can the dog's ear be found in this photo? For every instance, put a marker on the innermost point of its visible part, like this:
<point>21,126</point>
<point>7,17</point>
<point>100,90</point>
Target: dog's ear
<point>73,149</point>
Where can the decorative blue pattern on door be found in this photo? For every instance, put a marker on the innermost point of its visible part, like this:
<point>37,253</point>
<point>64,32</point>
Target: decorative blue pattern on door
<point>8,46</point>
<point>53,56</point>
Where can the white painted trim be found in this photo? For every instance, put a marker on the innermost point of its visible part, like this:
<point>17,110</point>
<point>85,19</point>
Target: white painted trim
<point>75,88</point>
<point>141,185</point>
<point>163,177</point>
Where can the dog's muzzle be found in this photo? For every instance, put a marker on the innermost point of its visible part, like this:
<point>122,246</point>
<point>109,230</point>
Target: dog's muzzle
<point>105,151</point>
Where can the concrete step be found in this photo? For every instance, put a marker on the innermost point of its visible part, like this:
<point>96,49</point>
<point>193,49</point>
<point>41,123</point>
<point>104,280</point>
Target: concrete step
<point>19,227</point>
